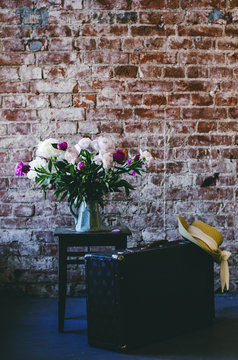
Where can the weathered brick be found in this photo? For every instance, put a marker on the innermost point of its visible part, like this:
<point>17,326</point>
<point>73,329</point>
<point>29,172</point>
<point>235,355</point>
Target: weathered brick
<point>179,99</point>
<point>106,43</point>
<point>85,44</point>
<point>225,100</point>
<point>14,101</point>
<point>24,210</point>
<point>37,101</point>
<point>14,87</point>
<point>5,210</point>
<point>16,59</point>
<point>63,44</point>
<point>30,73</point>
<point>18,115</point>
<point>19,128</point>
<point>84,100</point>
<point>103,30</point>
<point>61,100</point>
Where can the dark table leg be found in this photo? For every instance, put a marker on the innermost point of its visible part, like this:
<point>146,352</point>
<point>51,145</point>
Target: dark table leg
<point>62,285</point>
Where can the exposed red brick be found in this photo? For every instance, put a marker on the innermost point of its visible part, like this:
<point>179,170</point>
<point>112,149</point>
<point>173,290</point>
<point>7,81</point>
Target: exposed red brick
<point>205,4</point>
<point>104,30</point>
<point>179,99</point>
<point>207,140</point>
<point>206,126</point>
<point>150,71</point>
<point>156,5</point>
<point>198,30</point>
<point>111,127</point>
<point>135,127</point>
<point>132,44</point>
<point>197,72</point>
<point>151,100</point>
<point>127,71</point>
<point>220,72</point>
<point>151,17</point>
<point>204,113</point>
<point>202,99</point>
<point>147,114</point>
<point>225,100</point>
<point>84,100</point>
<point>180,43</point>
<point>130,99</point>
<point>155,43</point>
<point>146,30</point>
<point>147,85</point>
<point>194,85</point>
<point>204,44</point>
<point>174,72</point>
<point>108,4</point>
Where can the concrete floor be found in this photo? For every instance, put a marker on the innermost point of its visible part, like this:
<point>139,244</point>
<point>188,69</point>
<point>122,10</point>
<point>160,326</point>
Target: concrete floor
<point>28,331</point>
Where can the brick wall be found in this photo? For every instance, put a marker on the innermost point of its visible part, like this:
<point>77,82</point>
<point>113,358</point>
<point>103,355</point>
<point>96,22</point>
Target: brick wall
<point>156,74</point>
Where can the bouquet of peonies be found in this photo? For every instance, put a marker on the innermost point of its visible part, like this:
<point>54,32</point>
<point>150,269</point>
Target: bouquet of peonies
<point>86,172</point>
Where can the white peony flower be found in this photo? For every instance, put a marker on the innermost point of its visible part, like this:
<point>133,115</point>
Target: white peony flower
<point>148,157</point>
<point>46,150</point>
<point>107,160</point>
<point>97,159</point>
<point>105,145</point>
<point>71,156</point>
<point>35,164</point>
<point>84,144</point>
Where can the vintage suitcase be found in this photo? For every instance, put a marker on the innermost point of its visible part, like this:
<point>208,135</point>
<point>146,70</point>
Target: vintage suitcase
<point>142,296</point>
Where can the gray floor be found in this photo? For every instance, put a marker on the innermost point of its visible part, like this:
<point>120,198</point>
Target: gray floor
<point>28,331</point>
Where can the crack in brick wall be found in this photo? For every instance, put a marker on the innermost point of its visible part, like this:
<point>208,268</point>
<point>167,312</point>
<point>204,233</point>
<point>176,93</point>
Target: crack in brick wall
<point>159,75</point>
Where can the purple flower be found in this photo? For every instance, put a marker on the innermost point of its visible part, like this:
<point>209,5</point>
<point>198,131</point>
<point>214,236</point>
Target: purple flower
<point>129,161</point>
<point>119,156</point>
<point>62,146</point>
<point>133,173</point>
<point>80,165</point>
<point>137,157</point>
<point>21,169</point>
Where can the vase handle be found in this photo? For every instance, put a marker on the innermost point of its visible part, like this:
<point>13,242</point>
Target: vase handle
<point>73,213</point>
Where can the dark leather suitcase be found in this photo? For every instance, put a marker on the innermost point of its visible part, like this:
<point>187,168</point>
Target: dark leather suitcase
<point>142,296</point>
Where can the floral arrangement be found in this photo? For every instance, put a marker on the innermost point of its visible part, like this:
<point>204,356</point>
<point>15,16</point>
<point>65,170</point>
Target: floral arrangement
<point>86,172</point>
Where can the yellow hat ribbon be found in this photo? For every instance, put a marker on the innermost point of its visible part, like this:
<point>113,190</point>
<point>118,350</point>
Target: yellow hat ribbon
<point>208,238</point>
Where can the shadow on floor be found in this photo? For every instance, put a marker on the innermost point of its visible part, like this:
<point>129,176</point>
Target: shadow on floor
<point>28,331</point>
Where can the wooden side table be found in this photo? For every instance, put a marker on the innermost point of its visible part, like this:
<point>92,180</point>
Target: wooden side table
<point>68,237</point>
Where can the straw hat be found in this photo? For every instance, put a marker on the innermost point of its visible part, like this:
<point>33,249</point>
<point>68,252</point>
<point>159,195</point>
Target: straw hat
<point>207,238</point>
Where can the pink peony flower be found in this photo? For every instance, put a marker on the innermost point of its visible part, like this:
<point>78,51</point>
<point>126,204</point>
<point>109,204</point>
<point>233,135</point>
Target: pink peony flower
<point>21,169</point>
<point>80,165</point>
<point>62,146</point>
<point>119,157</point>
